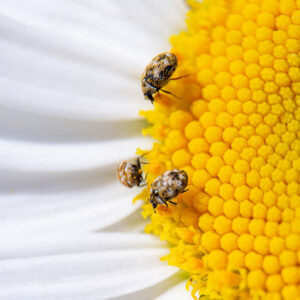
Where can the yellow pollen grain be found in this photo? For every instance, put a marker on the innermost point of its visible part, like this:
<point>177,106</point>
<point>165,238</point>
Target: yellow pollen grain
<point>210,241</point>
<point>235,129</point>
<point>245,242</point>
<point>256,279</point>
<point>274,283</point>
<point>217,259</point>
<point>236,259</point>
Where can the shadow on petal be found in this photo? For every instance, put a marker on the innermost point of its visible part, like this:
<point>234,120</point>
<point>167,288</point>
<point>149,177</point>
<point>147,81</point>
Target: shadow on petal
<point>132,223</point>
<point>55,182</point>
<point>155,291</point>
<point>27,126</point>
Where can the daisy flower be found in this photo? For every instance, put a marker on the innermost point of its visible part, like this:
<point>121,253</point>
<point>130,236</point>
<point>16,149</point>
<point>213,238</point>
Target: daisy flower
<point>233,127</point>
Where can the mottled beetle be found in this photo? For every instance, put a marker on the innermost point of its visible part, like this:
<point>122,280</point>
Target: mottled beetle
<point>167,186</point>
<point>158,73</point>
<point>131,174</point>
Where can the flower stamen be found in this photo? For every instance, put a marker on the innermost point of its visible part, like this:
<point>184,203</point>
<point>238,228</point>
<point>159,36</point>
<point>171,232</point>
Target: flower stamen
<point>236,133</point>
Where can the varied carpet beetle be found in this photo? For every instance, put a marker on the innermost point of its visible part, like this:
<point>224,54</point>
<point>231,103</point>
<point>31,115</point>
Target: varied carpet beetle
<point>158,73</point>
<point>131,174</point>
<point>167,186</point>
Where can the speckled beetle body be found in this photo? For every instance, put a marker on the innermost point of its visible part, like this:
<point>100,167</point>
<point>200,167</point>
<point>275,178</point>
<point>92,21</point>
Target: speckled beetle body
<point>130,174</point>
<point>167,186</point>
<point>158,73</point>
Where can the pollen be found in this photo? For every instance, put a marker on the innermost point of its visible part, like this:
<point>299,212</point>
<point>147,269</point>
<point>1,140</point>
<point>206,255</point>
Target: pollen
<point>234,128</point>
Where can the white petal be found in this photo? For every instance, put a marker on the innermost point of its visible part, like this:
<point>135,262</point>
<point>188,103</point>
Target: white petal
<point>133,223</point>
<point>20,126</point>
<point>61,243</point>
<point>49,157</point>
<point>54,103</point>
<point>80,200</point>
<point>69,101</point>
<point>73,211</point>
<point>83,275</point>
<point>69,81</point>
<point>64,57</point>
<point>171,288</point>
<point>177,292</point>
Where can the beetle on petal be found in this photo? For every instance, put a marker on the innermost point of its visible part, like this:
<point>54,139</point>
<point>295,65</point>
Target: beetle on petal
<point>131,174</point>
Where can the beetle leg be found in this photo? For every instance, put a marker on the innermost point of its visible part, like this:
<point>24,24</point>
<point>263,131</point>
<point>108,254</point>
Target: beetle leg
<point>164,201</point>
<point>184,191</point>
<point>142,180</point>
<point>145,177</point>
<point>154,207</point>
<point>172,202</point>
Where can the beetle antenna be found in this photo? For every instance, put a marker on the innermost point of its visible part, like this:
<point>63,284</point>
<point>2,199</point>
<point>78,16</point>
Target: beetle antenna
<point>138,162</point>
<point>144,154</point>
<point>183,76</point>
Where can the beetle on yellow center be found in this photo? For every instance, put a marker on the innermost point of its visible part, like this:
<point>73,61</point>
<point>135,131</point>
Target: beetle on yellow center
<point>167,186</point>
<point>158,73</point>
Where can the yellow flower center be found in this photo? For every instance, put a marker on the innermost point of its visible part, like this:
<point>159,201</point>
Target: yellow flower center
<point>236,132</point>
